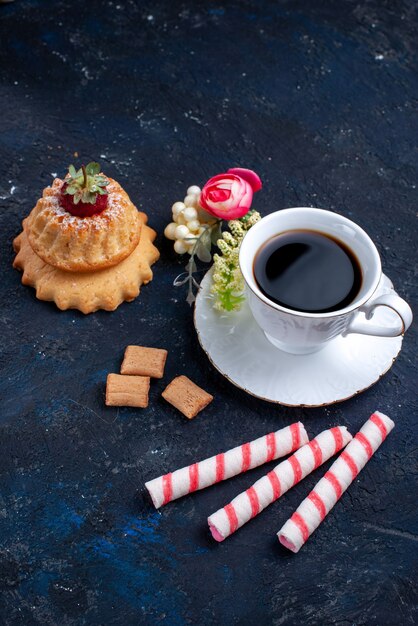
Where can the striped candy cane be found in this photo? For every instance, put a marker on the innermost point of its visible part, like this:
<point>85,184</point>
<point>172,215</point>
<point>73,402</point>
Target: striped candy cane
<point>270,487</point>
<point>330,488</point>
<point>227,464</point>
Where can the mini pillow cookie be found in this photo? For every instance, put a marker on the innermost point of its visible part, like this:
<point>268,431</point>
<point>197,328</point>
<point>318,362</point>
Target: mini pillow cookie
<point>144,361</point>
<point>127,390</point>
<point>187,397</point>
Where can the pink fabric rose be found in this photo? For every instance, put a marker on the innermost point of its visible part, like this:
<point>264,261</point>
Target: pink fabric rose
<point>228,196</point>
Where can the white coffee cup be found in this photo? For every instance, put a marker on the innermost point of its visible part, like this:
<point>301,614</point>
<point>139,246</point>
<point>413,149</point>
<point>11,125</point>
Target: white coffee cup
<point>300,332</point>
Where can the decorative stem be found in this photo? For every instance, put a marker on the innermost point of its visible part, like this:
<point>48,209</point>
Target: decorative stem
<point>191,297</point>
<point>191,265</point>
<point>83,167</point>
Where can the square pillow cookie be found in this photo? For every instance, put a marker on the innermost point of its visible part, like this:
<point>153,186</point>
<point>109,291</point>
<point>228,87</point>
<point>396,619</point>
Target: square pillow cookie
<point>140,361</point>
<point>187,397</point>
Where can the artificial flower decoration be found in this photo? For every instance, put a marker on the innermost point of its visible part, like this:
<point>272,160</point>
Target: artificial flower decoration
<point>197,226</point>
<point>227,281</point>
<point>229,196</point>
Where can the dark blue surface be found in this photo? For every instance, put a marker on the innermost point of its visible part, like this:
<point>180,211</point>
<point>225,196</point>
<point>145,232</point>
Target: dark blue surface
<point>320,99</point>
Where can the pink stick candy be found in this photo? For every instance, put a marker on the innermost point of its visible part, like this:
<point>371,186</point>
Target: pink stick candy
<point>330,488</point>
<point>270,487</point>
<point>227,464</point>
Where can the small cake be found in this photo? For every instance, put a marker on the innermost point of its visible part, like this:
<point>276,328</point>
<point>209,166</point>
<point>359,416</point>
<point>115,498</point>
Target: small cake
<point>85,245</point>
<point>81,244</point>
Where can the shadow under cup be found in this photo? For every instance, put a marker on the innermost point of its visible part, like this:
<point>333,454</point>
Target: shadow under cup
<point>301,332</point>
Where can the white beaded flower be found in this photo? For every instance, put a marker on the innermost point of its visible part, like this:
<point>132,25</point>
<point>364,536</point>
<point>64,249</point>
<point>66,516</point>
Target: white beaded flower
<point>190,221</point>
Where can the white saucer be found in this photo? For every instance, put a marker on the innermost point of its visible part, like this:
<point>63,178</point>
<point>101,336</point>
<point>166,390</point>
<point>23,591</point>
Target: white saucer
<point>237,347</point>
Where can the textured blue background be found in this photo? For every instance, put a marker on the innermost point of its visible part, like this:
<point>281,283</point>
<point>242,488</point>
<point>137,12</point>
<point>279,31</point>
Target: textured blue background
<point>321,99</point>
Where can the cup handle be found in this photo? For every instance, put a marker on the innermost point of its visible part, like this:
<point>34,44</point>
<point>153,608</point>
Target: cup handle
<point>394,302</point>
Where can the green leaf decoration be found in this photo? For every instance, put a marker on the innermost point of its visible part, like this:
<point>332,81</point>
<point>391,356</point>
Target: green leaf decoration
<point>216,233</point>
<point>203,253</point>
<point>191,266</point>
<point>93,169</point>
<point>86,183</point>
<point>190,297</point>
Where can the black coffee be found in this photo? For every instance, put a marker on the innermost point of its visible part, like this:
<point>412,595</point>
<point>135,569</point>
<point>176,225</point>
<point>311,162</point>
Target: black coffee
<point>305,270</point>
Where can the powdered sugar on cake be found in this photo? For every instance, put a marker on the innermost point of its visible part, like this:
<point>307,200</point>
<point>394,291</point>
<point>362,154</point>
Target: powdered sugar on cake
<point>113,211</point>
